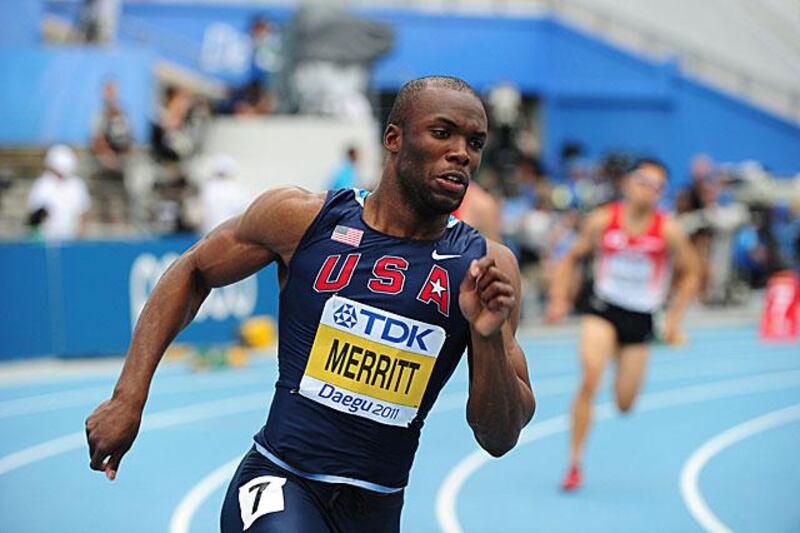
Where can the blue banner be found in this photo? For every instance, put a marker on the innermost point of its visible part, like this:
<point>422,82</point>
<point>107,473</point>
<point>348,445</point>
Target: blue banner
<point>83,298</point>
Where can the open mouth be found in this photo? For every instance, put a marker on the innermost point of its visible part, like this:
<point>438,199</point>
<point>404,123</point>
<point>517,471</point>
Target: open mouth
<point>452,181</point>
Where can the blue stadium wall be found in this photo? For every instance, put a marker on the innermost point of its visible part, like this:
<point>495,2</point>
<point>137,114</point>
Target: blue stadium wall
<point>83,298</point>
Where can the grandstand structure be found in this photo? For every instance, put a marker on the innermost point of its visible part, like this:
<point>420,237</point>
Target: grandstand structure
<point>648,77</point>
<point>745,47</point>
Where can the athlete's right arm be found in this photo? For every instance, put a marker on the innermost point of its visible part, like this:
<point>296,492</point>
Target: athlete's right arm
<point>270,229</point>
<point>559,302</point>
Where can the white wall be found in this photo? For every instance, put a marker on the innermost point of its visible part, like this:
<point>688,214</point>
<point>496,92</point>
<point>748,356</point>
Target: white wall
<point>294,150</point>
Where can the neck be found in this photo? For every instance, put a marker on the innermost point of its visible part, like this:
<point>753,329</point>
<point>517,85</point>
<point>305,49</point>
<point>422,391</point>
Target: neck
<point>637,214</point>
<point>388,211</point>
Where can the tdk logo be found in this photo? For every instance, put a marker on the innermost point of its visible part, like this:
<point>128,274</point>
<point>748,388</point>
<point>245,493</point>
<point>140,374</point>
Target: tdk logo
<point>395,331</point>
<point>345,316</point>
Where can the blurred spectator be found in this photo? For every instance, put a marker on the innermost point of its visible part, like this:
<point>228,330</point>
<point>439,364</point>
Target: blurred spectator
<point>711,229</point>
<point>702,175</point>
<point>526,213</point>
<point>750,252</point>
<point>174,207</point>
<point>613,168</point>
<point>570,151</point>
<point>112,137</point>
<point>99,20</point>
<point>560,237</point>
<point>266,53</point>
<point>481,211</point>
<point>784,229</point>
<point>222,196</point>
<point>58,201</point>
<point>175,136</point>
<point>533,184</point>
<point>252,99</point>
<point>346,174</point>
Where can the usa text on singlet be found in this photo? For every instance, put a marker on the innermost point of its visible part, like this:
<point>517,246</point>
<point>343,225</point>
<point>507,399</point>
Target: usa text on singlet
<point>369,332</point>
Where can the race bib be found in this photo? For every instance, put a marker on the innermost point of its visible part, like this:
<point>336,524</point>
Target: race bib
<point>371,363</point>
<point>260,496</point>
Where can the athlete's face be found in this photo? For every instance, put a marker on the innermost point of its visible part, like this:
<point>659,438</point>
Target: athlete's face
<point>644,186</point>
<point>438,149</point>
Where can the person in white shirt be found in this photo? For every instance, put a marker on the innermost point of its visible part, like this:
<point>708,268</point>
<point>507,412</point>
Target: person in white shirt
<point>221,196</point>
<point>61,195</point>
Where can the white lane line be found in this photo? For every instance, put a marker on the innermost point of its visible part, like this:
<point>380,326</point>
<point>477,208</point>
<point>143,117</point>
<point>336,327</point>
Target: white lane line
<point>182,517</point>
<point>446,499</point>
<point>690,473</point>
<point>181,520</point>
<point>163,419</point>
<point>172,417</point>
<point>557,385</point>
<point>52,401</point>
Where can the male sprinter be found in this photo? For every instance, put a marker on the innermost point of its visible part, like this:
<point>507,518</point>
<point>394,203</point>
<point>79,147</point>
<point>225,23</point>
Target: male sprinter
<point>636,248</point>
<point>380,295</point>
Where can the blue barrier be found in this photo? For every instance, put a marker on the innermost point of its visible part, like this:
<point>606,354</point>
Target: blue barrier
<point>83,298</point>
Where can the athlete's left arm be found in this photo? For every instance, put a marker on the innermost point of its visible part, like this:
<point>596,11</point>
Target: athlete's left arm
<point>501,399</point>
<point>687,278</point>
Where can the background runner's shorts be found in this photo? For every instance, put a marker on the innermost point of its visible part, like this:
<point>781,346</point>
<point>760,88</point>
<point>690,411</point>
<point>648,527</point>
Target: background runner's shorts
<point>264,498</point>
<point>632,327</point>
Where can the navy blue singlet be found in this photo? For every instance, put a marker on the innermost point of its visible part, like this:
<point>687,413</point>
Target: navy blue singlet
<point>369,331</point>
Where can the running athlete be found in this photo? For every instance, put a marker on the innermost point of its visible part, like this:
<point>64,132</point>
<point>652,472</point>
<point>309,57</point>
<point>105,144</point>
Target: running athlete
<point>381,293</point>
<point>636,249</point>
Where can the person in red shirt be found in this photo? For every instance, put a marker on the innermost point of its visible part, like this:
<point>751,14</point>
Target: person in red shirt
<point>636,249</point>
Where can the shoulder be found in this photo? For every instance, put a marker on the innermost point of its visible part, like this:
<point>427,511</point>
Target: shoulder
<point>671,229</point>
<point>280,216</point>
<point>597,220</point>
<point>40,183</point>
<point>294,201</point>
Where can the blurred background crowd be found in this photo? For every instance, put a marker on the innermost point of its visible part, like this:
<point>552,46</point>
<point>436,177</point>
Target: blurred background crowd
<point>140,125</point>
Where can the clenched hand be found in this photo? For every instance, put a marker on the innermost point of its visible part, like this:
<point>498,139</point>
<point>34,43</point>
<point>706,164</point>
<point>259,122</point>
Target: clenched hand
<point>110,431</point>
<point>486,296</point>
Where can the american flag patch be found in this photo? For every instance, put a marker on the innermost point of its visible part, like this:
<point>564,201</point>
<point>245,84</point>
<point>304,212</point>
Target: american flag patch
<point>347,235</point>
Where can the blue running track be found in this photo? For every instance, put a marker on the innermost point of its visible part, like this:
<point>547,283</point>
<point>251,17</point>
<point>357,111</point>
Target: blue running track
<point>713,443</point>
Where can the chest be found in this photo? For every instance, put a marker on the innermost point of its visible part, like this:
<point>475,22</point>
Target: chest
<point>616,242</point>
<point>406,281</point>
<point>62,198</point>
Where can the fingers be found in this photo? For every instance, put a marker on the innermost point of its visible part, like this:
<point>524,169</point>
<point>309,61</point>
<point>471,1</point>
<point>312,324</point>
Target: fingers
<point>492,275</point>
<point>97,454</point>
<point>476,270</point>
<point>112,466</point>
<point>501,302</point>
<point>98,459</point>
<point>494,290</point>
<point>107,462</point>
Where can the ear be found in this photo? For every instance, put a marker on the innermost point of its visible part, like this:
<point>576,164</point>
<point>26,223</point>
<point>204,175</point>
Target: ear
<point>393,138</point>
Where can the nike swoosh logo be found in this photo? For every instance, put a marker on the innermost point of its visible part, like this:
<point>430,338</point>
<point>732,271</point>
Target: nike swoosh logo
<point>438,257</point>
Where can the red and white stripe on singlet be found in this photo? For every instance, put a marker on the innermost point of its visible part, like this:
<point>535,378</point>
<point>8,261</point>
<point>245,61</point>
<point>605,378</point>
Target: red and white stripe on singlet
<point>633,272</point>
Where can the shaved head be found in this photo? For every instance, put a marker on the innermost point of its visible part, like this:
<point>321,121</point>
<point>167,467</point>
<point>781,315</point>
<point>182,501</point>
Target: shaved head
<point>404,103</point>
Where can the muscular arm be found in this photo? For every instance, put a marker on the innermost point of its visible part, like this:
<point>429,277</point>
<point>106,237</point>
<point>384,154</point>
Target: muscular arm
<point>270,229</point>
<point>501,400</point>
<point>584,244</point>
<point>687,273</point>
